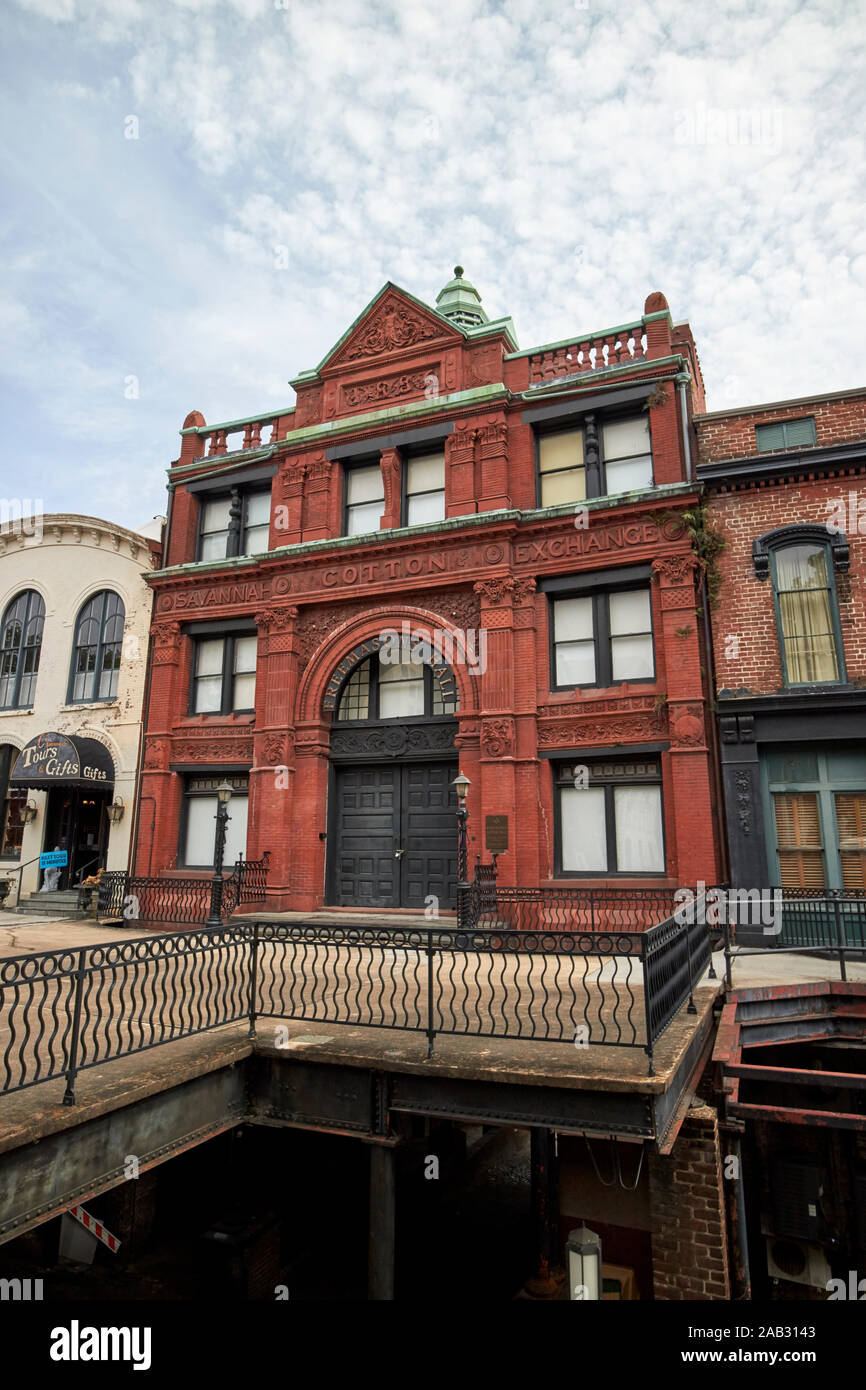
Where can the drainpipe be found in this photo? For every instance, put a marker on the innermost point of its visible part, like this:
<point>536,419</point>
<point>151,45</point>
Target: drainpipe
<point>683,380</point>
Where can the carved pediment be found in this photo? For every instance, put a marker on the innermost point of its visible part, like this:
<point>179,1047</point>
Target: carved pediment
<point>391,324</point>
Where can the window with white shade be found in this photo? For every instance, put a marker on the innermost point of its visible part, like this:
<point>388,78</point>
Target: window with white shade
<point>424,476</point>
<point>602,638</point>
<point>236,523</point>
<point>365,499</point>
<point>609,817</point>
<point>224,674</point>
<point>198,837</point>
<point>598,457</point>
<point>401,690</point>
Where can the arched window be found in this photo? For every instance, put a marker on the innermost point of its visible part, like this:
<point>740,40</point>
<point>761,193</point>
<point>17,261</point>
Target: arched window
<point>807,617</point>
<point>378,690</point>
<point>20,644</point>
<point>96,653</point>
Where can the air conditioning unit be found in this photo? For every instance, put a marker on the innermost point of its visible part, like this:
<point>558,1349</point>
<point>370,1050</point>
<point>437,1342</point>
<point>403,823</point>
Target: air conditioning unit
<point>797,1262</point>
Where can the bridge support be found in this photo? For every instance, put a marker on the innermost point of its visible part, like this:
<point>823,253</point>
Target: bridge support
<point>383,1222</point>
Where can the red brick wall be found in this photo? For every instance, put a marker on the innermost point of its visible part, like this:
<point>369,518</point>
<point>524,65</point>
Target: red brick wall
<point>745,608</point>
<point>689,1240</point>
<point>733,436</point>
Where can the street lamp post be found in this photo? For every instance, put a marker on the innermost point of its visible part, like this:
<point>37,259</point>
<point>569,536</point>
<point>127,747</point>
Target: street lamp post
<point>224,796</point>
<point>461,785</point>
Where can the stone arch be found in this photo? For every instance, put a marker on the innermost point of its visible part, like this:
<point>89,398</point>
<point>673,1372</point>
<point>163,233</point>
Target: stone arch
<point>344,639</point>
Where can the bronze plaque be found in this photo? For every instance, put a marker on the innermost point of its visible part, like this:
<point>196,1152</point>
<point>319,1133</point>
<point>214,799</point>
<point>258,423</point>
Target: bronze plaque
<point>496,834</point>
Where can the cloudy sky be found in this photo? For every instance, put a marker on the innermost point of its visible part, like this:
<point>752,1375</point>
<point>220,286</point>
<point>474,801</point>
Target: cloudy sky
<point>202,194</point>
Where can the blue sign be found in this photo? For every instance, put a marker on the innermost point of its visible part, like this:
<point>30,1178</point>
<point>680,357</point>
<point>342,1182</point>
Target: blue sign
<point>53,859</point>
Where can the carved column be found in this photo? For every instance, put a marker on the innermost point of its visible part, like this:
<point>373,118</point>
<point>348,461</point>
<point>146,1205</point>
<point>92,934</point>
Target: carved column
<point>288,515</point>
<point>391,464</point>
<point>687,715</point>
<point>493,449</point>
<point>498,728</point>
<point>309,821</point>
<point>272,791</point>
<point>460,472</point>
<point>160,789</point>
<point>744,808</point>
<point>527,770</point>
<point>317,498</point>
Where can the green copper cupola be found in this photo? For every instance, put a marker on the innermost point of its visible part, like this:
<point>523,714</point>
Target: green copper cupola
<point>460,302</point>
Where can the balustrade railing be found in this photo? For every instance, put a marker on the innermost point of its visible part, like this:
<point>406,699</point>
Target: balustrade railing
<point>610,348</point>
<point>138,898</point>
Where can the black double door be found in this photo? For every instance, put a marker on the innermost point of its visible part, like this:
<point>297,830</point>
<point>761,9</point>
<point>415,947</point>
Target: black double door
<point>394,835</point>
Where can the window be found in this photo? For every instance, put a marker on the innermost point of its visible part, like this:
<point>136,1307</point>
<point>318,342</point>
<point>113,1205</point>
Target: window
<point>424,477</point>
<point>595,459</point>
<point>602,638</point>
<point>817,800</point>
<point>224,674</point>
<point>785,434</point>
<point>96,653</point>
<point>12,803</point>
<point>390,690</point>
<point>198,836</point>
<point>20,645</point>
<point>365,499</point>
<point>238,523</point>
<point>609,818</point>
<point>806,615</point>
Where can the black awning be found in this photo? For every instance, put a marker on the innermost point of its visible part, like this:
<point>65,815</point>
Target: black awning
<point>63,760</point>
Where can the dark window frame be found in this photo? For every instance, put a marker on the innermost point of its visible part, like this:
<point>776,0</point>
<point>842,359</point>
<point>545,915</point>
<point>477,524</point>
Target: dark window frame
<point>790,542</point>
<point>95,698</point>
<point>31,614</point>
<point>406,457</point>
<point>229,639</point>
<point>238,496</point>
<point>183,820</point>
<point>655,779</point>
<point>347,465</point>
<point>590,424</point>
<point>373,714</point>
<point>600,595</point>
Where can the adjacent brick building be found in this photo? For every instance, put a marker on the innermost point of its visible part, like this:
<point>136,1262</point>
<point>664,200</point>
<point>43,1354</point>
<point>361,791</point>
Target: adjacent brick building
<point>786,491</point>
<point>449,552</point>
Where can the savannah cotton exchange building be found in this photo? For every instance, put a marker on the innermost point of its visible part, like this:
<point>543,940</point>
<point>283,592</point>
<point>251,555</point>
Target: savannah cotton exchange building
<point>514,518</point>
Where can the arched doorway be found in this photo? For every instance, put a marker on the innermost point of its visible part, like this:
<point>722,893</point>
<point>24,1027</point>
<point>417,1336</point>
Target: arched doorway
<point>392,828</point>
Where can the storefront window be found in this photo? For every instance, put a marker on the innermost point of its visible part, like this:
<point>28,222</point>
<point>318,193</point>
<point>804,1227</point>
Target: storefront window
<point>609,818</point>
<point>12,803</point>
<point>198,840</point>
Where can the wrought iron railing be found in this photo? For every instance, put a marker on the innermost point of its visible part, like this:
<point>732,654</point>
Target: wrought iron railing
<point>141,899</point>
<point>62,1012</point>
<point>486,904</point>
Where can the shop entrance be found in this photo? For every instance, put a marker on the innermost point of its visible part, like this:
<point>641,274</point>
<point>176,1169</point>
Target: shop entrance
<point>76,820</point>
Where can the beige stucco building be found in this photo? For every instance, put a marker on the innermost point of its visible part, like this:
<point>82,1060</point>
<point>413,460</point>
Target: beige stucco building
<point>74,631</point>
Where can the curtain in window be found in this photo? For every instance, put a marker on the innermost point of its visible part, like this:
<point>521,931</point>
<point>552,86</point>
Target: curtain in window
<point>805,610</point>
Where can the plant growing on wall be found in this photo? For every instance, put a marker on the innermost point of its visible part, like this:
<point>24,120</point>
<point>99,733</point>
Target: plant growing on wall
<point>707,543</point>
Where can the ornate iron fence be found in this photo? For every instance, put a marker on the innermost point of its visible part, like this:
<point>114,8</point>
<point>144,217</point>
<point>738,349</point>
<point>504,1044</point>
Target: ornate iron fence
<point>137,898</point>
<point>61,1012</point>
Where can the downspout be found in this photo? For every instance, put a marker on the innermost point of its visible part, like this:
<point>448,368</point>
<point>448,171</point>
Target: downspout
<point>145,708</point>
<point>683,380</point>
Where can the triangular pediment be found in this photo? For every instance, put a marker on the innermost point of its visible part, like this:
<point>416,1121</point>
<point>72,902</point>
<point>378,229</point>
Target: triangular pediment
<point>392,322</point>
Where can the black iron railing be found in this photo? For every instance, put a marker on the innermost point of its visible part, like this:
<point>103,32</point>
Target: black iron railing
<point>490,906</point>
<point>140,899</point>
<point>830,924</point>
<point>62,1012</point>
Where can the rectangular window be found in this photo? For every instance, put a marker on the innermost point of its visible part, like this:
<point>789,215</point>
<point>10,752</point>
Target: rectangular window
<point>804,598</point>
<point>603,638</point>
<point>199,836</point>
<point>224,674</point>
<point>610,818</point>
<point>627,455</point>
<point>401,690</point>
<point>12,803</point>
<point>623,450</point>
<point>798,835</point>
<point>561,468</point>
<point>365,499</point>
<point>785,434</point>
<point>851,825</point>
<point>425,488</point>
<point>250,534</point>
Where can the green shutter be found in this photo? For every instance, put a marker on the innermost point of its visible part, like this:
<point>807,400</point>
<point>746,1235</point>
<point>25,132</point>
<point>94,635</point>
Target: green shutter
<point>769,437</point>
<point>785,434</point>
<point>800,431</point>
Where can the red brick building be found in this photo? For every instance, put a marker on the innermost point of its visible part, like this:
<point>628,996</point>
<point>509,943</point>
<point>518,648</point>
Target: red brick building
<point>449,552</point>
<point>785,490</point>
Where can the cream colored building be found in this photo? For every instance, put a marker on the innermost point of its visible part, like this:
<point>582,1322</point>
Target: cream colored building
<point>75,617</point>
